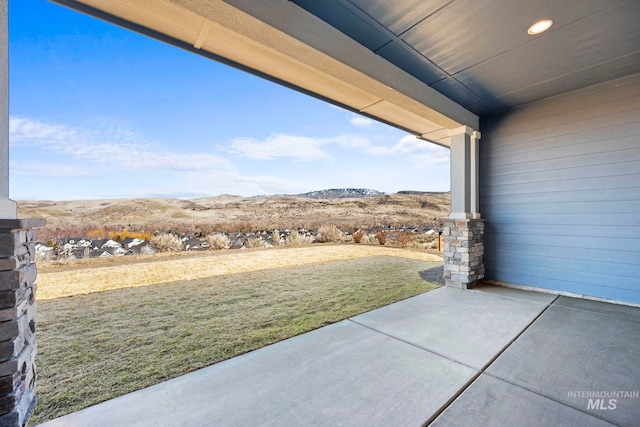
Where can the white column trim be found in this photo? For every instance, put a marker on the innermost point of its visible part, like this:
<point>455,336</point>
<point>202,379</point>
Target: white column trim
<point>8,209</point>
<point>475,175</point>
<point>464,173</point>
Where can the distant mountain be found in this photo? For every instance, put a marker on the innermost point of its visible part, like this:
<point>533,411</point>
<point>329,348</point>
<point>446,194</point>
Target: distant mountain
<point>341,193</point>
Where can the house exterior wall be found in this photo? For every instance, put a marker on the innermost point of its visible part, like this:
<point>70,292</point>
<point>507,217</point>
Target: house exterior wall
<point>560,192</point>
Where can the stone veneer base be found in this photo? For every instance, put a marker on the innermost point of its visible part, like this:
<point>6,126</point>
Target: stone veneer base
<point>463,252</point>
<point>17,321</point>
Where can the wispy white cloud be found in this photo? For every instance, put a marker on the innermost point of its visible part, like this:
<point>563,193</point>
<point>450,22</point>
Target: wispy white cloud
<point>25,132</point>
<point>111,160</point>
<point>194,184</point>
<point>112,146</point>
<point>301,148</point>
<point>116,145</point>
<point>308,149</point>
<point>411,144</point>
<point>280,146</point>
<point>52,170</point>
<point>362,122</point>
<point>423,153</point>
<point>113,153</point>
<point>348,141</point>
<point>252,185</point>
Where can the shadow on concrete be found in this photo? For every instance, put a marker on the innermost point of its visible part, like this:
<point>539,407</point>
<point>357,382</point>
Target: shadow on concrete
<point>433,275</point>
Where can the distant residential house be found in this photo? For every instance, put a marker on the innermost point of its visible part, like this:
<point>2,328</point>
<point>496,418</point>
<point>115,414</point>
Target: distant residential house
<point>194,244</point>
<point>144,248</point>
<point>120,251</point>
<point>110,244</point>
<point>141,248</point>
<point>130,242</point>
<point>237,242</point>
<point>136,242</point>
<point>43,252</point>
<point>79,253</point>
<point>83,243</point>
<point>97,244</point>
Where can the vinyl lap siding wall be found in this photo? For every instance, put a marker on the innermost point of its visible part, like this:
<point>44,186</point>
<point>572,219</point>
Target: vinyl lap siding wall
<point>560,189</point>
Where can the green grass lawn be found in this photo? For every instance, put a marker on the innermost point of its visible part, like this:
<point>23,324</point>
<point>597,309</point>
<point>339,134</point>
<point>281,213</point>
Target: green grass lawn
<point>98,346</point>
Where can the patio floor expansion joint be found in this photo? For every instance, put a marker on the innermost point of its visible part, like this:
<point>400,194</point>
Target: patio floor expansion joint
<point>594,415</point>
<point>483,369</point>
<point>490,362</point>
<point>448,403</point>
<point>413,345</point>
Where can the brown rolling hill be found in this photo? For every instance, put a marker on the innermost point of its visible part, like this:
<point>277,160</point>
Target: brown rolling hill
<point>227,211</point>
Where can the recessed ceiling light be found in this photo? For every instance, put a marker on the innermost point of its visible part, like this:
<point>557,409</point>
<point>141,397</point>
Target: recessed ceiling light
<point>540,27</point>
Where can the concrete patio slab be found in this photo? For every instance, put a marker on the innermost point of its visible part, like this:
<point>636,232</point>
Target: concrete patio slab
<point>340,375</point>
<point>492,402</point>
<point>582,358</point>
<point>467,327</point>
<point>413,362</point>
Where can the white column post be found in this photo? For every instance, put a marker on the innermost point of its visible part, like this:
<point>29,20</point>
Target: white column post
<point>464,230</point>
<point>475,175</point>
<point>8,208</point>
<point>461,173</point>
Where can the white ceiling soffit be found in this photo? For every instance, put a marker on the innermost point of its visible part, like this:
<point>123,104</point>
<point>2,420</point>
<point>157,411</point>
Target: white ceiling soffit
<point>293,47</point>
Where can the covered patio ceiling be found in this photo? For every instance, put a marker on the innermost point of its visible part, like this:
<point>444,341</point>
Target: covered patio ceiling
<point>478,53</point>
<point>425,66</point>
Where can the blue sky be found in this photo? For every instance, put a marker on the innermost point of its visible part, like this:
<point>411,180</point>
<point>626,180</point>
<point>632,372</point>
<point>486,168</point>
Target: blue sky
<point>97,111</point>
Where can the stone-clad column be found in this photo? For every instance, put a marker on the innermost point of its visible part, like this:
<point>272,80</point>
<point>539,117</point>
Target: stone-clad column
<point>17,276</point>
<point>463,233</point>
<point>463,252</point>
<point>17,321</point>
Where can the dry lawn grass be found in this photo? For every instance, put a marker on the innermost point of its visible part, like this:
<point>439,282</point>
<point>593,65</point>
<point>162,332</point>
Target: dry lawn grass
<point>120,332</point>
<point>69,282</point>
